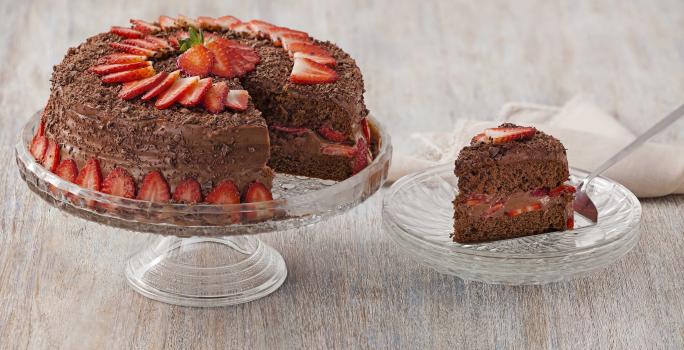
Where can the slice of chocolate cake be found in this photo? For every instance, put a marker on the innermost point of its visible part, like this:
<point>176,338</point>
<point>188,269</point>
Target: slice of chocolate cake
<point>511,184</point>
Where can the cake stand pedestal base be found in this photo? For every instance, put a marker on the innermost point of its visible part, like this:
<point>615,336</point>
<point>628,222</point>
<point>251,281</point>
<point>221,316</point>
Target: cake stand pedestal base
<point>206,271</point>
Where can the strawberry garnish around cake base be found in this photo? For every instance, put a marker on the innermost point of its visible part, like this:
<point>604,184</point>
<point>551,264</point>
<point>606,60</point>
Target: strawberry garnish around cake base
<point>195,95</point>
<point>126,32</point>
<point>215,99</point>
<point>306,71</point>
<point>90,176</point>
<point>188,191</point>
<point>119,183</point>
<point>256,192</point>
<point>237,100</point>
<point>39,147</point>
<point>162,86</point>
<point>226,193</point>
<point>174,93</point>
<point>51,159</point>
<point>67,170</point>
<point>154,188</point>
<point>136,88</point>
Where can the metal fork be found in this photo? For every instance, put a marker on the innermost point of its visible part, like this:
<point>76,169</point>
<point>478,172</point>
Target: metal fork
<point>583,204</point>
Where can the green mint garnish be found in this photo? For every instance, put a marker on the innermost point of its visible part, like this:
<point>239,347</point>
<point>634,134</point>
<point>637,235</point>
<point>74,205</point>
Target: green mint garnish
<point>195,37</point>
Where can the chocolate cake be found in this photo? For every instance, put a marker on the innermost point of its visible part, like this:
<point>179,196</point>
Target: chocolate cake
<point>180,108</point>
<point>511,183</point>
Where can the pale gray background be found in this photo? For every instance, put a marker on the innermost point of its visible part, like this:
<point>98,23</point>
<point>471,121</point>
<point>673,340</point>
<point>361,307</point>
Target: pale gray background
<point>426,64</point>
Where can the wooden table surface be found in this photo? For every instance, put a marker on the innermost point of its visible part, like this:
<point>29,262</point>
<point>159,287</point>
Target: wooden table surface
<point>425,64</point>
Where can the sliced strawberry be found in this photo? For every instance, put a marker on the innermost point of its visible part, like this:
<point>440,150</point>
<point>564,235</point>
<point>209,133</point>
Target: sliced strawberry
<point>126,32</point>
<point>570,223</point>
<point>136,88</point>
<point>119,183</point>
<point>67,170</point>
<point>195,95</point>
<point>173,94</point>
<point>90,176</point>
<point>365,127</point>
<point>215,99</point>
<point>290,130</point>
<point>362,157</point>
<point>257,192</point>
<point>51,159</point>
<point>479,138</point>
<point>277,33</point>
<point>188,191</point>
<point>224,193</point>
<point>558,191</point>
<point>154,188</point>
<point>308,48</point>
<point>39,147</point>
<point>186,22</point>
<point>162,86</point>
<point>208,23</point>
<point>242,27</point>
<point>167,23</point>
<point>260,27</point>
<point>143,44</point>
<point>232,60</point>
<point>119,57</point>
<point>306,71</point>
<point>196,61</point>
<point>338,150</point>
<point>40,130</point>
<point>237,100</point>
<point>133,49</point>
<point>144,27</point>
<point>495,207</point>
<point>226,22</point>
<point>525,209</point>
<point>502,135</point>
<point>131,75</point>
<point>162,43</point>
<point>286,40</point>
<point>322,59</point>
<point>117,67</point>
<point>332,135</point>
<point>476,199</point>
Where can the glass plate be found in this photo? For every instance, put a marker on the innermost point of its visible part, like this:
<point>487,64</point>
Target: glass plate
<point>203,256</point>
<point>418,215</point>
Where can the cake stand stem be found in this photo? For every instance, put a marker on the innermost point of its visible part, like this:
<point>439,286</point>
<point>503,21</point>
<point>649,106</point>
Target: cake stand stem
<point>206,271</point>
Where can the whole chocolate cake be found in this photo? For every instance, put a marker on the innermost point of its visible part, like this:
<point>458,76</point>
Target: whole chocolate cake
<point>192,110</point>
<point>511,184</point>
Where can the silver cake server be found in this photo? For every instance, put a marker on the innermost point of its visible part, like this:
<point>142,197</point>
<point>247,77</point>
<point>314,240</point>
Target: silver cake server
<point>583,204</point>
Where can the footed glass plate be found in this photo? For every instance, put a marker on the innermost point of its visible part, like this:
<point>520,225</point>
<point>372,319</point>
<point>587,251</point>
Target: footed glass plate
<point>206,255</point>
<point>418,215</point>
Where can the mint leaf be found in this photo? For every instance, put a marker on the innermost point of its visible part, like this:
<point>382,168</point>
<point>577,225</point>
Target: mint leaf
<point>195,38</point>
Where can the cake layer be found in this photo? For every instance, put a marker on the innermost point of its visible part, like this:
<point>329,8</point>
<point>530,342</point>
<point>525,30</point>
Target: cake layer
<point>520,214</point>
<point>512,166</point>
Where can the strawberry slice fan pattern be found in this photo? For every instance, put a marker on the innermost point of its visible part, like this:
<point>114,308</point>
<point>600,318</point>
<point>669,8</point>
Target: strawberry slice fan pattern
<point>202,58</point>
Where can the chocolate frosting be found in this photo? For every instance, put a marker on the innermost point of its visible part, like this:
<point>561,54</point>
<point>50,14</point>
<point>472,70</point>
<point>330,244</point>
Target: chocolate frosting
<point>88,120</point>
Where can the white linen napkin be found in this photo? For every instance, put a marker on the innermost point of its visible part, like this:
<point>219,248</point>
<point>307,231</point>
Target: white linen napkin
<point>652,170</point>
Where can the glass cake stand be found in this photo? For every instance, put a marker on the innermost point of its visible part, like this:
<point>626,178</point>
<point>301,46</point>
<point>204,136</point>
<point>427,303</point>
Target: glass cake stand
<point>197,257</point>
<point>418,215</point>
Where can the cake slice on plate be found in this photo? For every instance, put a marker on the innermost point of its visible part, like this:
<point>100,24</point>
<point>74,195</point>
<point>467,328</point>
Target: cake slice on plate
<point>511,183</point>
